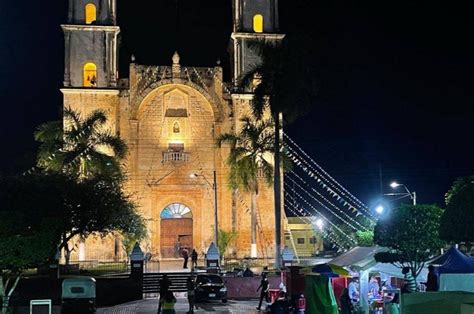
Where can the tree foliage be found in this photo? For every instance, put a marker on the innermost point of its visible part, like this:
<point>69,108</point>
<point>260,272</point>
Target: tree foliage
<point>251,150</point>
<point>68,207</point>
<point>458,218</point>
<point>224,240</point>
<point>29,228</point>
<point>365,238</point>
<point>100,206</point>
<point>411,233</point>
<point>80,146</point>
<point>281,82</point>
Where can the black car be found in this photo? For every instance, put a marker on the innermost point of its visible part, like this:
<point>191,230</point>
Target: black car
<point>210,287</point>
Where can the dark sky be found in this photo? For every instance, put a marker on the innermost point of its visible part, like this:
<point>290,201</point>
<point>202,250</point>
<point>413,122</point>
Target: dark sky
<point>396,80</point>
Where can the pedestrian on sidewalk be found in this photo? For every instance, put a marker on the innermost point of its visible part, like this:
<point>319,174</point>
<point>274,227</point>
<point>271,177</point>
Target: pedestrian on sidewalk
<point>167,303</point>
<point>164,285</point>
<point>191,286</point>
<point>194,259</point>
<point>264,286</point>
<point>185,255</point>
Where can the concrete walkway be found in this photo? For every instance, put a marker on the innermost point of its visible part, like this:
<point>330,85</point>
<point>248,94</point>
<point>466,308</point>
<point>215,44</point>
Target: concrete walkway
<point>151,306</point>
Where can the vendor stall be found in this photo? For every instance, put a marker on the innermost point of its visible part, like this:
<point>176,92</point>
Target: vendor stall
<point>457,272</point>
<point>362,261</point>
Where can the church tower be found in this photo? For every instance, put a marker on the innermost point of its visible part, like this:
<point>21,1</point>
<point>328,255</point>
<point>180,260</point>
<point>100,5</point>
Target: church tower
<point>253,21</point>
<point>90,39</point>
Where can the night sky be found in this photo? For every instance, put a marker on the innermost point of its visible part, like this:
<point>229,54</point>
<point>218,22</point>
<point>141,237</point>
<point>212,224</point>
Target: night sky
<point>396,80</point>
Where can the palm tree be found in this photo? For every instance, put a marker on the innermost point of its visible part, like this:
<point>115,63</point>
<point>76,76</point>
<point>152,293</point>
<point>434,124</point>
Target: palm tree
<point>82,148</point>
<point>285,87</point>
<point>249,151</point>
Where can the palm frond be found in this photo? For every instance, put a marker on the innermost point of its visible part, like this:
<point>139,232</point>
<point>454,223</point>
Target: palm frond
<point>115,143</point>
<point>49,132</point>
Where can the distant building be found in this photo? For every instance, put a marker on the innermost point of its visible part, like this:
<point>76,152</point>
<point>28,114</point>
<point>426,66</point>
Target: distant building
<point>301,236</point>
<point>169,116</point>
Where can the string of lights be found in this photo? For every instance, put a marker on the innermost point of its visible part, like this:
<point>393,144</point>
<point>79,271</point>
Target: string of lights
<point>317,176</point>
<point>323,205</point>
<point>320,214</point>
<point>327,200</point>
<point>326,177</point>
<point>324,232</point>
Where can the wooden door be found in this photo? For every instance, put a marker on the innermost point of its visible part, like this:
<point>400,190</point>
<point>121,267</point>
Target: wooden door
<point>176,232</point>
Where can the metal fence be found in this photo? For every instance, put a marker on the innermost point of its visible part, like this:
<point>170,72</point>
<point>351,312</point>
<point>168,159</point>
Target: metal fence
<point>95,267</point>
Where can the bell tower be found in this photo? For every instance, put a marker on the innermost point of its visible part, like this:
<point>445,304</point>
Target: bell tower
<point>90,38</point>
<point>253,21</point>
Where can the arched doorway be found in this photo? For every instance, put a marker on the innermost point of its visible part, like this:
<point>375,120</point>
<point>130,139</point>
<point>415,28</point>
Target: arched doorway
<point>176,230</point>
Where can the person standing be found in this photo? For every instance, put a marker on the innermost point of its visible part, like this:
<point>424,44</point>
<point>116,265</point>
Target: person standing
<point>281,305</point>
<point>164,285</point>
<point>346,302</point>
<point>410,282</point>
<point>354,290</point>
<point>432,282</point>
<point>185,255</point>
<point>191,286</point>
<point>167,303</point>
<point>194,259</point>
<point>264,286</point>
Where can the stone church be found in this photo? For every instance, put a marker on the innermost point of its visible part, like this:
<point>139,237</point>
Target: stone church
<point>169,115</point>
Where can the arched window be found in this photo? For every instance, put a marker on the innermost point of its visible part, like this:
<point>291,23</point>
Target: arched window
<point>258,23</point>
<point>90,75</point>
<point>91,13</point>
<point>176,210</point>
<point>176,127</point>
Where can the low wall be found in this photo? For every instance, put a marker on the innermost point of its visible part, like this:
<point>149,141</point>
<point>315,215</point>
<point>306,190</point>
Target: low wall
<point>436,302</point>
<point>246,287</point>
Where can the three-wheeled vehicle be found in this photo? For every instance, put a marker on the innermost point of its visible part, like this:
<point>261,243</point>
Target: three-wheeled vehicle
<point>78,295</point>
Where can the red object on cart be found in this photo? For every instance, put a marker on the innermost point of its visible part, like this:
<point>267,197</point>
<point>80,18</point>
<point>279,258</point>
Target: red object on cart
<point>301,304</point>
<point>273,294</point>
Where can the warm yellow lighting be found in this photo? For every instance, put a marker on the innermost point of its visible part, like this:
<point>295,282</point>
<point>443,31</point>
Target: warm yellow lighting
<point>90,75</point>
<point>176,127</point>
<point>258,23</point>
<point>91,13</point>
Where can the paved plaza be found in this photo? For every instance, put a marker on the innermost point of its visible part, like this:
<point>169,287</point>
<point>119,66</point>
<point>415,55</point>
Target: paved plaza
<point>151,306</point>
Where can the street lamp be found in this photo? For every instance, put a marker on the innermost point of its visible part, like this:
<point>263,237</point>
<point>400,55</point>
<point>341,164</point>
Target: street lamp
<point>320,224</point>
<point>214,187</point>
<point>412,195</point>
<point>379,209</point>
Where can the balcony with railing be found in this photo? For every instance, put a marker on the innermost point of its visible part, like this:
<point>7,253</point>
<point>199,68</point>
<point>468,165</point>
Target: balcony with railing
<point>172,156</point>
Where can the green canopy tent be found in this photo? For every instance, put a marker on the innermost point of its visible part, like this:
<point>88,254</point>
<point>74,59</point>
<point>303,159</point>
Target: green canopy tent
<point>319,295</point>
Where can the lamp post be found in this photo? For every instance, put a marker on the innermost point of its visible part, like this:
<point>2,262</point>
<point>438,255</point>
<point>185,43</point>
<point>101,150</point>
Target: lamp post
<point>412,195</point>
<point>214,187</point>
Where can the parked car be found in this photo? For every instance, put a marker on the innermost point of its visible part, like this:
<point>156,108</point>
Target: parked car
<point>78,296</point>
<point>210,287</point>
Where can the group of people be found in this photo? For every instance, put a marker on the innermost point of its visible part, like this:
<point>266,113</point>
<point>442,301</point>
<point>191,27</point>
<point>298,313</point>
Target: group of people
<point>194,257</point>
<point>350,295</point>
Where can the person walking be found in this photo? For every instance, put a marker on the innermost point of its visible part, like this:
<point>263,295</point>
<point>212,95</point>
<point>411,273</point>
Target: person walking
<point>167,303</point>
<point>264,286</point>
<point>185,255</point>
<point>194,259</point>
<point>190,287</point>
<point>164,285</point>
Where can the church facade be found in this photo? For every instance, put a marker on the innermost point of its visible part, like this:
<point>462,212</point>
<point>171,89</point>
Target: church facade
<point>169,116</point>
